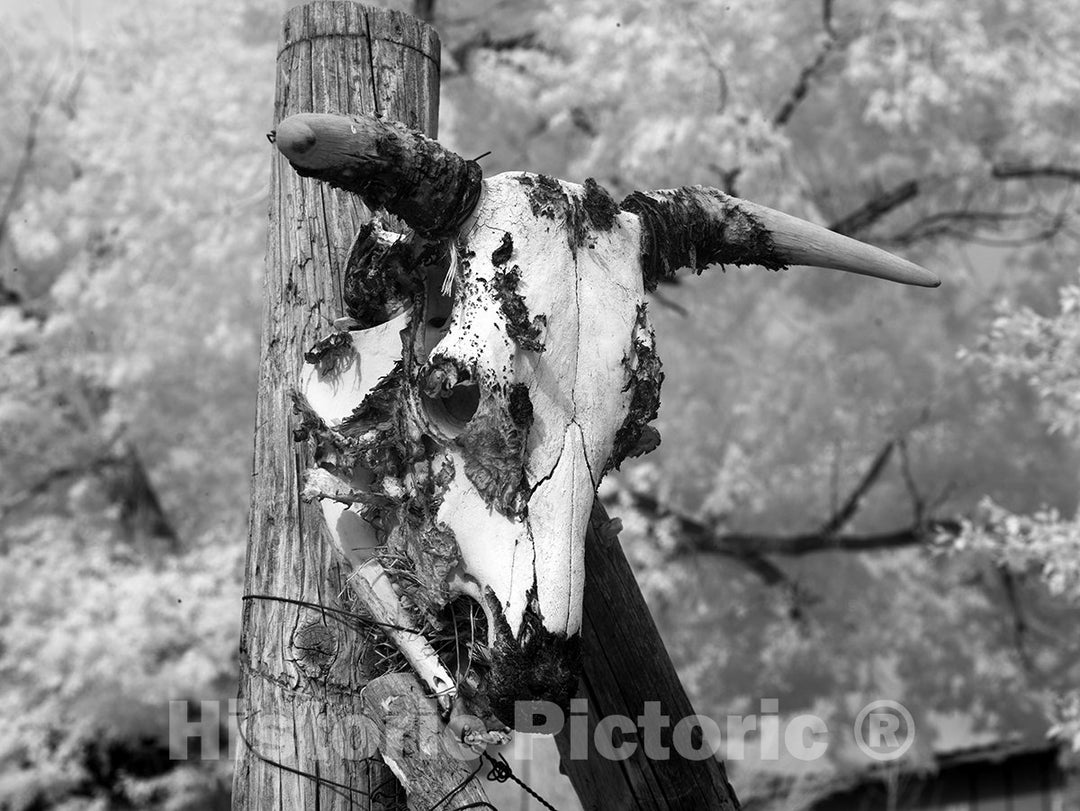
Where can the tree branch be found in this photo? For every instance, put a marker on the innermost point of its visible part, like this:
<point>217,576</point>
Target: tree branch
<point>483,40</point>
<point>424,10</point>
<point>769,573</point>
<point>918,505</point>
<point>876,208</point>
<point>698,536</point>
<point>8,296</point>
<point>842,517</point>
<point>811,71</point>
<point>46,482</point>
<point>826,18</point>
<point>1012,171</point>
<point>943,223</point>
<point>963,225</point>
<point>669,304</point>
<point>737,543</point>
<point>128,485</point>
<point>142,514</point>
<point>752,550</point>
<point>25,160</point>
<point>1019,625</point>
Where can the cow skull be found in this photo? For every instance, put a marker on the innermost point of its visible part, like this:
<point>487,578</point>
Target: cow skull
<point>496,361</point>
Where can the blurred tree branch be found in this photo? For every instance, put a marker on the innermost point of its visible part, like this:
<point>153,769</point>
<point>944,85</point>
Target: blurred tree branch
<point>740,543</point>
<point>1016,612</point>
<point>26,158</point>
<point>698,536</point>
<point>111,459</point>
<point>875,208</point>
<point>424,10</point>
<point>842,517</point>
<point>483,40</point>
<point>811,71</point>
<point>128,486</point>
<point>961,223</point>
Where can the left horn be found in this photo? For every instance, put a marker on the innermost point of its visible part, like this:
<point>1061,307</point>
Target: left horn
<point>387,164</point>
<point>696,226</point>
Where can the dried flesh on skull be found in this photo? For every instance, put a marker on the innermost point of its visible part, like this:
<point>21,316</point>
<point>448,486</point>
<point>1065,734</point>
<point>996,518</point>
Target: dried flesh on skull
<point>480,422</point>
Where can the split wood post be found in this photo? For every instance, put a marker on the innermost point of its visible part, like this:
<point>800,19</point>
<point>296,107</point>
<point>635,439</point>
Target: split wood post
<point>626,672</point>
<point>306,731</point>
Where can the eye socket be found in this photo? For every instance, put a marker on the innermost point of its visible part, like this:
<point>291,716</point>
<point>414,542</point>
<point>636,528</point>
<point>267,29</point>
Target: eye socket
<point>462,403</point>
<point>438,307</point>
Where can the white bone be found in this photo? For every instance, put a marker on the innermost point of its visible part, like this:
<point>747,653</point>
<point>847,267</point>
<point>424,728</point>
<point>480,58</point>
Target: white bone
<point>377,593</point>
<point>376,350</point>
<point>577,386</point>
<point>486,538</point>
<point>462,584</point>
<point>333,396</point>
<point>558,516</point>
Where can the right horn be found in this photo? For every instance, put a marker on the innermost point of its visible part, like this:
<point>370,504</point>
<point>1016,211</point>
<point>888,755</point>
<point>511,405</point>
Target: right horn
<point>696,226</point>
<point>388,165</point>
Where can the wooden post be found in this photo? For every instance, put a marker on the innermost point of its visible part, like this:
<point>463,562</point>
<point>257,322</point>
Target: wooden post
<point>306,733</point>
<point>625,666</point>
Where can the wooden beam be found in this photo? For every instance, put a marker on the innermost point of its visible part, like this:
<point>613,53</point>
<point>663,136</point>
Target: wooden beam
<point>625,666</point>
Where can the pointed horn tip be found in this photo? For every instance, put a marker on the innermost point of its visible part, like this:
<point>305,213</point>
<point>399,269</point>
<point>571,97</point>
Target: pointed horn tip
<point>900,270</point>
<point>919,276</point>
<point>879,265</point>
<point>294,137</point>
<point>801,242</point>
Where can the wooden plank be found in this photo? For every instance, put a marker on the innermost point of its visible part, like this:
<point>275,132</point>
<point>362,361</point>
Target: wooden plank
<point>625,666</point>
<point>304,743</point>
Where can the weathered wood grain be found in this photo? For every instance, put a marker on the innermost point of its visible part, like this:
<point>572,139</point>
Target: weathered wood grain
<point>419,747</point>
<point>625,666</point>
<point>304,738</point>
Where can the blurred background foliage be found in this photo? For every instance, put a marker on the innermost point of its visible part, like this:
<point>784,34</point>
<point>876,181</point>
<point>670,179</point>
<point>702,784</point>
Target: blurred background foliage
<point>863,490</point>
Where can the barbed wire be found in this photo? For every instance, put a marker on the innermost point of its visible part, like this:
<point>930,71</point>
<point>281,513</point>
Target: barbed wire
<point>500,771</point>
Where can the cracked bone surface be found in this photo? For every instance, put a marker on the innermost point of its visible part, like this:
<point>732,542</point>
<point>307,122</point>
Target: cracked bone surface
<point>472,429</point>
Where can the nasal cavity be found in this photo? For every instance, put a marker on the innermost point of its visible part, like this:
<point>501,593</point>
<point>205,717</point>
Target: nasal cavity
<point>460,636</point>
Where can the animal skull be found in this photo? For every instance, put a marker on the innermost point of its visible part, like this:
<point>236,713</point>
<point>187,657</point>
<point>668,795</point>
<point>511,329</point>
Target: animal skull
<point>496,362</point>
